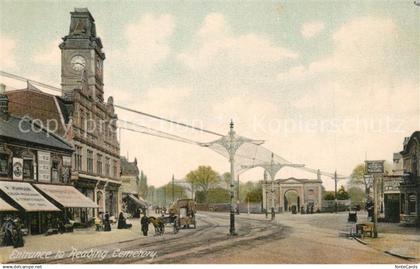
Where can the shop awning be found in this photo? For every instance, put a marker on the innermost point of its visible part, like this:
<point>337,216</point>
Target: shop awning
<point>67,196</point>
<point>5,206</point>
<point>139,201</point>
<point>26,196</point>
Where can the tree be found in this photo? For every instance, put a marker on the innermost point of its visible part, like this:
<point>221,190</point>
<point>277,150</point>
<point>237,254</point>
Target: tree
<point>329,195</point>
<point>342,194</point>
<point>357,195</point>
<point>143,185</point>
<point>357,178</point>
<point>254,195</point>
<point>151,196</point>
<point>203,178</point>
<point>226,178</point>
<point>214,195</point>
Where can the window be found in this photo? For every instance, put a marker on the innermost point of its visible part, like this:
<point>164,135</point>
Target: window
<point>107,166</point>
<point>4,164</point>
<point>99,164</point>
<point>90,161</point>
<point>115,169</point>
<point>55,171</point>
<point>78,158</point>
<point>28,169</point>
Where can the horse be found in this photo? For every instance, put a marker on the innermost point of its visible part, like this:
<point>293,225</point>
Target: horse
<point>159,225</point>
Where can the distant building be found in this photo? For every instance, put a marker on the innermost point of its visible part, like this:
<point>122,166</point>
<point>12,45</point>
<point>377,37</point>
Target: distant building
<point>410,187</point>
<point>81,116</point>
<point>130,187</point>
<point>289,192</point>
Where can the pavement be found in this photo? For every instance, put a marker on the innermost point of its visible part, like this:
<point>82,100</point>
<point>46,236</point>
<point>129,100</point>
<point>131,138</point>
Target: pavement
<point>79,239</point>
<point>290,239</point>
<point>395,239</point>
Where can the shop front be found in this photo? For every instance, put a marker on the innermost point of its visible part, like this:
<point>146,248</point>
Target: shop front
<point>73,203</point>
<point>35,211</point>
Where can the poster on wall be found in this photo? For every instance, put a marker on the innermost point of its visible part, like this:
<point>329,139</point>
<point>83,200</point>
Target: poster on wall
<point>17,169</point>
<point>44,166</point>
<point>66,161</point>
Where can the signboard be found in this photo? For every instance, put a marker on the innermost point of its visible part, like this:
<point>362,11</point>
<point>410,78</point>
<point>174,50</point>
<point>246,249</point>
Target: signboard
<point>44,166</point>
<point>26,196</point>
<point>392,184</point>
<point>375,167</point>
<point>17,169</point>
<point>66,161</point>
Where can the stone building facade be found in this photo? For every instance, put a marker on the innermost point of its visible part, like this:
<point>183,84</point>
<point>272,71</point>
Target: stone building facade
<point>81,114</point>
<point>308,193</point>
<point>410,186</point>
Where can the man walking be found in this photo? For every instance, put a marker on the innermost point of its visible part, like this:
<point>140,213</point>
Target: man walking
<point>144,224</point>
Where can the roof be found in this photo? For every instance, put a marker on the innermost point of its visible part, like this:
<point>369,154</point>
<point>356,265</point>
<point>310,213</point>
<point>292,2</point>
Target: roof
<point>301,180</point>
<point>21,129</point>
<point>129,168</point>
<point>415,137</point>
<point>39,105</point>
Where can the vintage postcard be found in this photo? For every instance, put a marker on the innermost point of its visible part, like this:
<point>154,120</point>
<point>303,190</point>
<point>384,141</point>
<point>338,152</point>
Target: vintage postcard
<point>210,132</point>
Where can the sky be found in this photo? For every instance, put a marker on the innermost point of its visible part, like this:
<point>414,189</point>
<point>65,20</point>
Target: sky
<point>324,83</point>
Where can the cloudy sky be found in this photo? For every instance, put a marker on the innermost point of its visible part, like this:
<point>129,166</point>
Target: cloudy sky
<point>324,83</point>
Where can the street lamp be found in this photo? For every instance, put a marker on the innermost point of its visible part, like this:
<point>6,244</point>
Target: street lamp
<point>231,143</point>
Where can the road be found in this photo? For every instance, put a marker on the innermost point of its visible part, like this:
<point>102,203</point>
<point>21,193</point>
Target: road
<point>289,239</point>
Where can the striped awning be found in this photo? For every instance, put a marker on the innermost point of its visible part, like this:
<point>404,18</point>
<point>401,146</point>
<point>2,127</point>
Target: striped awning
<point>26,196</point>
<point>5,206</point>
<point>67,196</point>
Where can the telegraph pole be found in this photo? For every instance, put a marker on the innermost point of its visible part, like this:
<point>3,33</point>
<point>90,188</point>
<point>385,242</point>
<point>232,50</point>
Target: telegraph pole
<point>232,152</point>
<point>335,187</point>
<point>173,188</point>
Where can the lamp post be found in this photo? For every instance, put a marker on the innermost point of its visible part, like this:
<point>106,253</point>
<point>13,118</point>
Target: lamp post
<point>231,143</point>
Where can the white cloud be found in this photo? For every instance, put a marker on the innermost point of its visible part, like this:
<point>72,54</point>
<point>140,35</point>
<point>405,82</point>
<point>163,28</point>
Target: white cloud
<point>312,29</point>
<point>364,47</point>
<point>49,55</point>
<point>216,44</point>
<point>147,42</point>
<point>7,52</point>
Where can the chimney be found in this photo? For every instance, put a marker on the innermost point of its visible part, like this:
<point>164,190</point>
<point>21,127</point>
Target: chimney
<point>4,102</point>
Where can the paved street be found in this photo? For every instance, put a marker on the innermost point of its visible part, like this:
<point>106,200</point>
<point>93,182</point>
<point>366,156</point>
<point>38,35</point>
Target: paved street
<point>290,239</point>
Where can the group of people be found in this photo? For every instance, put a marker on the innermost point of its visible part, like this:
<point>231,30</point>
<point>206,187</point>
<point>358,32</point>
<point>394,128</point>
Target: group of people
<point>103,223</point>
<point>11,231</point>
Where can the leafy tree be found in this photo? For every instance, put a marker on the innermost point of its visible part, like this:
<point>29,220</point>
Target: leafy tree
<point>143,185</point>
<point>357,178</point>
<point>226,179</point>
<point>357,195</point>
<point>151,194</point>
<point>329,195</point>
<point>342,194</point>
<point>214,195</point>
<point>254,195</point>
<point>203,178</point>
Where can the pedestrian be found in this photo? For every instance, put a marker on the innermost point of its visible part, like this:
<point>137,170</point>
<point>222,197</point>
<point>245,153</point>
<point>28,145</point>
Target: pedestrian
<point>17,233</point>
<point>144,224</point>
<point>107,223</point>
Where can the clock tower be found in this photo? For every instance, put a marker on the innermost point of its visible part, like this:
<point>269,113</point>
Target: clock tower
<point>82,58</point>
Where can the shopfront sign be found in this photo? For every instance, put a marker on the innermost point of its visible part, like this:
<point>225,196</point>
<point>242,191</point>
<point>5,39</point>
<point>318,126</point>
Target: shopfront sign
<point>392,184</point>
<point>375,167</point>
<point>44,166</point>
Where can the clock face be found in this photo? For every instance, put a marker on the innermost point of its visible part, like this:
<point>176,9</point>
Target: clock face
<point>78,63</point>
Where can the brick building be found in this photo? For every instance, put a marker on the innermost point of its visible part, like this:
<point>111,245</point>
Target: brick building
<point>80,115</point>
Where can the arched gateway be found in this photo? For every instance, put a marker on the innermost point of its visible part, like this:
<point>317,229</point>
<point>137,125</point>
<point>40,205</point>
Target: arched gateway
<point>289,192</point>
